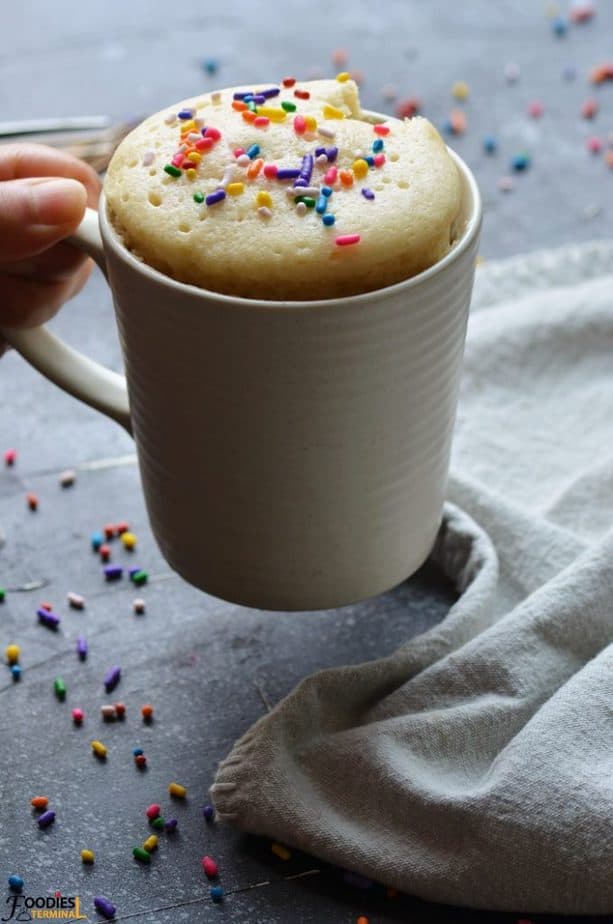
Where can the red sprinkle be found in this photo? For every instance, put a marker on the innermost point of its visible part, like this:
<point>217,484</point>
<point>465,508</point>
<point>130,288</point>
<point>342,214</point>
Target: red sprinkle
<point>602,72</point>
<point>32,500</point>
<point>153,811</point>
<point>408,107</point>
<point>270,171</point>
<point>299,124</point>
<point>536,109</point>
<point>238,152</point>
<point>210,867</point>
<point>589,109</point>
<point>10,456</point>
<point>104,552</point>
<point>47,606</point>
<point>140,760</point>
<point>122,527</point>
<point>261,121</point>
<point>379,160</point>
<point>213,133</point>
<point>288,81</point>
<point>381,129</point>
<point>345,239</point>
<point>77,716</point>
<point>302,94</point>
<point>120,710</point>
<point>204,144</point>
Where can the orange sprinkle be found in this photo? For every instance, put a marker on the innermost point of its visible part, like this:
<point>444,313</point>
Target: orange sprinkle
<point>248,115</point>
<point>39,802</point>
<point>239,105</point>
<point>362,920</point>
<point>254,168</point>
<point>147,712</point>
<point>346,177</point>
<point>310,123</point>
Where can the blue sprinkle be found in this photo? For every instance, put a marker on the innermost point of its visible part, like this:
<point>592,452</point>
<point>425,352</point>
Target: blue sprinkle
<point>447,127</point>
<point>368,193</point>
<point>185,114</point>
<point>328,219</point>
<point>112,678</point>
<point>559,25</point>
<point>326,190</point>
<point>273,91</point>
<point>520,162</point>
<point>287,173</point>
<point>490,145</point>
<point>216,893</point>
<point>15,883</point>
<point>16,672</point>
<point>322,205</point>
<point>377,145</point>
<point>370,160</point>
<point>209,812</point>
<point>137,751</point>
<point>210,66</point>
<point>218,196</point>
<point>97,539</point>
<point>253,151</point>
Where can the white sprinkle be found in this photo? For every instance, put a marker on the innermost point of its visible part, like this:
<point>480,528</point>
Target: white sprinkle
<point>303,191</point>
<point>264,212</point>
<point>506,183</point>
<point>326,132</point>
<point>148,158</point>
<point>243,160</point>
<point>194,136</point>
<point>511,72</point>
<point>76,601</point>
<point>68,478</point>
<point>216,98</point>
<point>301,208</point>
<point>227,176</point>
<point>182,147</point>
<point>107,712</point>
<point>321,160</point>
<point>138,605</point>
<point>170,118</point>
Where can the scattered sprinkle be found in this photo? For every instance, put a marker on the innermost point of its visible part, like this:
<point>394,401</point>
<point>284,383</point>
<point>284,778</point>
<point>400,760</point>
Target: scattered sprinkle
<point>106,908</point>
<point>171,825</point>
<point>559,26</point>
<point>210,66</point>
<point>506,183</point>
<point>87,856</point>
<point>82,647</point>
<point>345,240</point>
<point>602,72</point>
<point>409,107</point>
<point>39,802</point>
<point>511,72</point>
<point>46,819</point>
<point>216,893</point>
<point>68,478</point>
<point>280,851</point>
<point>210,867</point>
<point>59,687</point>
<point>147,712</point>
<point>112,678</point>
<point>10,457</point>
<point>460,90</point>
<point>213,198</point>
<point>32,501</point>
<point>15,883</point>
<point>75,601</point>
<point>99,749</point>
<point>368,193</point>
<point>151,843</point>
<point>589,109</point>
<point>209,812</point>
<point>139,853</point>
<point>77,716</point>
<point>177,791</point>
<point>172,170</point>
<point>138,605</point>
<point>12,653</point>
<point>535,109</point>
<point>520,162</point>
<point>112,572</point>
<point>328,219</point>
<point>594,145</point>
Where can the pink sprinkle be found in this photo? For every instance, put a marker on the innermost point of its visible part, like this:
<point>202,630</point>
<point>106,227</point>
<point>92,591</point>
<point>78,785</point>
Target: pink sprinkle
<point>261,121</point>
<point>379,160</point>
<point>270,171</point>
<point>177,160</point>
<point>345,239</point>
<point>238,151</point>
<point>330,176</point>
<point>381,129</point>
<point>299,124</point>
<point>213,133</point>
<point>589,109</point>
<point>210,867</point>
<point>536,110</point>
<point>153,811</point>
<point>594,145</point>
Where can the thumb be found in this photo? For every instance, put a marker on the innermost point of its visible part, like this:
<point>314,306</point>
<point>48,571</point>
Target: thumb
<point>36,213</point>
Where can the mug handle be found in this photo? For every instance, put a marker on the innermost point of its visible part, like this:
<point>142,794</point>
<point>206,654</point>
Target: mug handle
<point>77,374</point>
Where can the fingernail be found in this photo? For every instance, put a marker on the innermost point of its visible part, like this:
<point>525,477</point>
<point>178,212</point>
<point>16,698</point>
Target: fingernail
<point>57,201</point>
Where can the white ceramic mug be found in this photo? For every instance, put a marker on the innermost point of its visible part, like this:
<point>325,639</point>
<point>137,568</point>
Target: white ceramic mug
<point>293,455</point>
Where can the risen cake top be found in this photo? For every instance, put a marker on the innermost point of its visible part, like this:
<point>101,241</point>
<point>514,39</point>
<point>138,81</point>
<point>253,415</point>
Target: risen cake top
<point>284,192</point>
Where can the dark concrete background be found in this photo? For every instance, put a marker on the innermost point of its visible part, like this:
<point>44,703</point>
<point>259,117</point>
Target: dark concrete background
<point>210,668</point>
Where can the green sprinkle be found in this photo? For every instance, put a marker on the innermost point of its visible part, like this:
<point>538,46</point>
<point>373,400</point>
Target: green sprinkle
<point>157,823</point>
<point>251,105</point>
<point>171,170</point>
<point>289,107</point>
<point>2,594</point>
<point>60,687</point>
<point>308,201</point>
<point>141,854</point>
<point>140,577</point>
<point>198,197</point>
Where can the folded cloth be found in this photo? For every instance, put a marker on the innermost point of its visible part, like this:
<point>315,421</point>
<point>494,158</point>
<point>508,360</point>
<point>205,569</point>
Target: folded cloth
<point>474,766</point>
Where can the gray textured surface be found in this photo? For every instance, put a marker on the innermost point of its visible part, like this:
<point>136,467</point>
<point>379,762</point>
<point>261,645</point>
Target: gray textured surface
<point>210,668</point>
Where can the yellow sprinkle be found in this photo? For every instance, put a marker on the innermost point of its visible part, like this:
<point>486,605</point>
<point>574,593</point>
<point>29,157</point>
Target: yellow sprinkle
<point>235,189</point>
<point>99,748</point>
<point>343,77</point>
<point>128,540</point>
<point>12,653</point>
<point>360,168</point>
<point>151,843</point>
<point>274,114</point>
<point>191,173</point>
<point>460,90</point>
<point>331,112</point>
<point>187,126</point>
<point>87,856</point>
<point>280,851</point>
<point>194,156</point>
<point>310,123</point>
<point>175,789</point>
<point>263,198</point>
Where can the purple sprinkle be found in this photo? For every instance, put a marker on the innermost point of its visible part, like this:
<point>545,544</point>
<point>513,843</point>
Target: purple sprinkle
<point>242,95</point>
<point>306,169</point>
<point>259,99</point>
<point>209,812</point>
<point>82,647</point>
<point>319,151</point>
<point>268,94</point>
<point>46,819</point>
<point>111,678</point>
<point>331,154</point>
<point>48,619</point>
<point>300,182</point>
<point>216,196</point>
<point>288,173</point>
<point>171,825</point>
<point>112,572</point>
<point>368,193</point>
<point>134,571</point>
<point>104,906</point>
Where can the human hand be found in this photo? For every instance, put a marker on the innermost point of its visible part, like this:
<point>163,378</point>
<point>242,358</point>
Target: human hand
<point>43,195</point>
